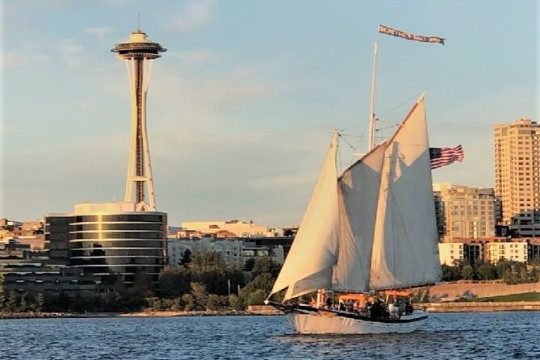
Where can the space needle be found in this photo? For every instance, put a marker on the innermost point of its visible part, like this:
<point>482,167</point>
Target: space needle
<point>138,52</point>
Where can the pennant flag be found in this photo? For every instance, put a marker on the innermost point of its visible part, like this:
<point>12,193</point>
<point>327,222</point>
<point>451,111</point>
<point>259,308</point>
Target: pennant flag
<point>405,35</point>
<point>445,156</point>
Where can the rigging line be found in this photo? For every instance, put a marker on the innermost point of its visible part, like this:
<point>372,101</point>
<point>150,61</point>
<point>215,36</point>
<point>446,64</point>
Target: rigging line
<point>359,137</point>
<point>349,128</point>
<point>388,127</point>
<point>346,142</point>
<point>399,105</point>
<point>354,136</point>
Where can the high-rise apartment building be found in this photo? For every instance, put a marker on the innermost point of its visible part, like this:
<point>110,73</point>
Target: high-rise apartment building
<point>465,212</point>
<point>517,175</point>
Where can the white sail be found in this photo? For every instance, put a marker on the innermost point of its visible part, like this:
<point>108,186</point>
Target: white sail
<point>313,253</point>
<point>405,243</point>
<point>358,195</point>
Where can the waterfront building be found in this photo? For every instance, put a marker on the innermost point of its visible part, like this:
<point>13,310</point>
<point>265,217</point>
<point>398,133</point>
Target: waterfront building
<point>534,250</point>
<point>36,242</point>
<point>461,250</point>
<point>46,279</point>
<point>25,232</point>
<point>12,249</point>
<point>451,253</point>
<point>507,250</point>
<point>235,251</point>
<point>464,211</point>
<point>33,227</point>
<point>490,250</point>
<point>473,252</point>
<point>109,240</point>
<point>517,175</point>
<point>27,271</point>
<point>223,228</point>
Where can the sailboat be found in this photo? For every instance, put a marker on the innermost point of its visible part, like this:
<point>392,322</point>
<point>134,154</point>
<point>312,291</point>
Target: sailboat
<point>368,230</point>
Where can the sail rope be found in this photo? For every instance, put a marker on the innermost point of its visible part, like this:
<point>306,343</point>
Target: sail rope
<point>342,136</point>
<point>407,101</point>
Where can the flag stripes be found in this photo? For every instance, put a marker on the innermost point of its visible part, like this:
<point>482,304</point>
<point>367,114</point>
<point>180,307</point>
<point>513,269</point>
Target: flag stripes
<point>445,156</point>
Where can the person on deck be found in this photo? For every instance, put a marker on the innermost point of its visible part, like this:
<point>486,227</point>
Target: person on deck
<point>329,303</point>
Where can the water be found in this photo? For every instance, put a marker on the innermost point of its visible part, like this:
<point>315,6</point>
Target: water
<point>445,336</point>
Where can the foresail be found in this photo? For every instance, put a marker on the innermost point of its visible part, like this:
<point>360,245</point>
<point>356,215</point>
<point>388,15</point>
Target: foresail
<point>358,194</point>
<point>313,253</point>
<point>405,243</point>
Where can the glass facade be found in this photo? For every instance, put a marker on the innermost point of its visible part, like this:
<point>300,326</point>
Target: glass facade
<point>121,245</point>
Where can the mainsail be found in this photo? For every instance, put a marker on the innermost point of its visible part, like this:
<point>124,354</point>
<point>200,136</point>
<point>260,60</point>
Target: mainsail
<point>358,195</point>
<point>308,266</point>
<point>405,240</point>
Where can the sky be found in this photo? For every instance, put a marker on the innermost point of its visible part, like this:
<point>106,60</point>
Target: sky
<point>242,105</point>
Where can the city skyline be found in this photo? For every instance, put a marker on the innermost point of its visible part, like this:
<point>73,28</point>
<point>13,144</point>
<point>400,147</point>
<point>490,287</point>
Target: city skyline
<point>247,97</point>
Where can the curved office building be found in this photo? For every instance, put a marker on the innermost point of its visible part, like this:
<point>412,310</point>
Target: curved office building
<point>113,239</point>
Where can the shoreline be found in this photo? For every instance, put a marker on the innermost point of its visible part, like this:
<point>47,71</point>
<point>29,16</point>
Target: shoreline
<point>445,307</point>
<point>139,314</point>
<point>474,306</point>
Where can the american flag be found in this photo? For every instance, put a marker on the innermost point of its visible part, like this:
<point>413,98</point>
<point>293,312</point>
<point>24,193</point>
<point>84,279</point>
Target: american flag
<point>445,156</point>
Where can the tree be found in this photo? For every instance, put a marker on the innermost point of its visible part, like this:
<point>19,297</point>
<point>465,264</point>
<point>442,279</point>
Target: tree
<point>262,284</point>
<point>248,266</point>
<point>142,285</point>
<point>177,304</point>
<point>189,302</point>
<point>23,303</point>
<point>257,297</point>
<point>487,271</point>
<point>514,272</point>
<point>11,303</point>
<point>213,302</point>
<point>450,273</point>
<point>39,302</point>
<point>265,265</point>
<point>111,301</point>
<point>79,304</point>
<point>235,302</point>
<point>156,303</point>
<point>174,282</point>
<point>467,272</point>
<point>200,294</point>
<point>201,262</point>
<point>186,258</point>
<point>502,267</point>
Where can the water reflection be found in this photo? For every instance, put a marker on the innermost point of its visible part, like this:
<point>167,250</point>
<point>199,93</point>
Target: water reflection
<point>445,336</point>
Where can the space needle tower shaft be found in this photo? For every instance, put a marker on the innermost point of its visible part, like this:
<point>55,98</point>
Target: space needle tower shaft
<point>138,52</point>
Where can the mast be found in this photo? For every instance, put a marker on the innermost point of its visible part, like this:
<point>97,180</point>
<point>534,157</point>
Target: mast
<point>372,102</point>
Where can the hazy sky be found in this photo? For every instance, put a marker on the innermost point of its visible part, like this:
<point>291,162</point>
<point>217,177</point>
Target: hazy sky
<point>242,105</point>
